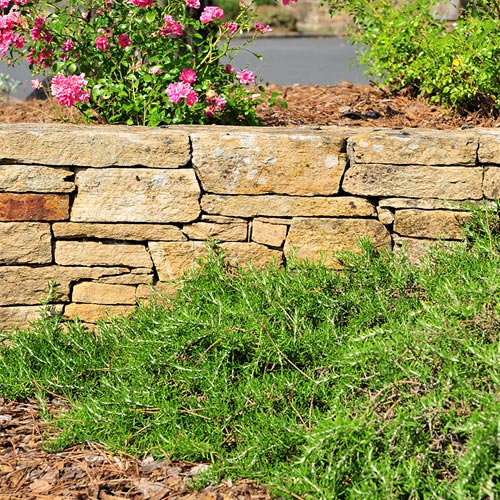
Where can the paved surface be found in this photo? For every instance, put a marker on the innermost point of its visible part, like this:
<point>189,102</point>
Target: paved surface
<point>286,60</point>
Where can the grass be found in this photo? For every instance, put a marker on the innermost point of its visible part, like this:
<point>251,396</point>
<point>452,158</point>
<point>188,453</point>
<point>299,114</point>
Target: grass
<point>380,381</point>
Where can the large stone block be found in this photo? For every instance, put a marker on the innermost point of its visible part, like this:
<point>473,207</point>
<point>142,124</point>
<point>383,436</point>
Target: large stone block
<point>96,146</point>
<point>286,206</point>
<point>132,232</point>
<point>317,239</point>
<point>269,233</point>
<point>422,203</point>
<point>25,243</point>
<point>491,182</point>
<point>101,293</point>
<point>136,195</point>
<point>489,146</point>
<point>21,316</point>
<point>446,183</point>
<point>172,260</point>
<point>92,253</point>
<point>430,223</point>
<point>217,228</point>
<point>91,313</point>
<point>414,147</point>
<point>33,207</point>
<point>296,162</point>
<point>35,179</point>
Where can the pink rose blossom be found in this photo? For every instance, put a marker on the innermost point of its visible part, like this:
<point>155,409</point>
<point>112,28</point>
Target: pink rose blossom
<point>68,90</point>
<point>193,4</point>
<point>263,29</point>
<point>36,84</point>
<point>68,45</point>
<point>171,28</point>
<point>36,31</point>
<point>102,42</point>
<point>41,58</point>
<point>182,90</point>
<point>286,2</point>
<point>142,3</point>
<point>124,41</point>
<point>231,27</point>
<point>245,76</point>
<point>188,76</point>
<point>229,68</point>
<point>211,13</point>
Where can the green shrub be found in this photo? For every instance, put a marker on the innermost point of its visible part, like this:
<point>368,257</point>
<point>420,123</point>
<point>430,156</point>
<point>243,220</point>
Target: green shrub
<point>404,47</point>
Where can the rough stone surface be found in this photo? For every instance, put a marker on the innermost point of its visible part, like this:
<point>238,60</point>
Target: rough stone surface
<point>25,243</point>
<point>430,223</point>
<point>96,146</point>
<point>222,229</point>
<point>132,232</point>
<point>413,147</point>
<point>416,249</point>
<point>20,316</point>
<point>385,216</point>
<point>448,183</point>
<point>33,207</point>
<point>35,179</point>
<point>489,146</point>
<point>101,293</point>
<point>318,238</point>
<point>491,182</point>
<point>172,260</point>
<point>136,195</point>
<point>137,276</point>
<point>293,206</point>
<point>422,203</point>
<point>91,313</point>
<point>92,253</point>
<point>269,234</point>
<point>263,162</point>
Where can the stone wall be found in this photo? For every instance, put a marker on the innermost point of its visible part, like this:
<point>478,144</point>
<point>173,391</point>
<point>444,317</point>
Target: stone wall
<point>107,211</point>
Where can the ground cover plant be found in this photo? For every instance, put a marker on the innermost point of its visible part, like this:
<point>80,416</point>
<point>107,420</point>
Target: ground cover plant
<point>406,46</point>
<point>377,381</point>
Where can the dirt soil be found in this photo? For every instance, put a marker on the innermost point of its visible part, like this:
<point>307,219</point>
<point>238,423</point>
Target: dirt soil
<point>343,105</point>
<point>90,472</point>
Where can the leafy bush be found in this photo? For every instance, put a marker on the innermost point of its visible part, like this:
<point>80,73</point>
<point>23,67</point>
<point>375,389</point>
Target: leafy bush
<point>139,62</point>
<point>405,47</point>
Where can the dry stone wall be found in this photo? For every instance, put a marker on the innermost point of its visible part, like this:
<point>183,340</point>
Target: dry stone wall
<point>106,212</point>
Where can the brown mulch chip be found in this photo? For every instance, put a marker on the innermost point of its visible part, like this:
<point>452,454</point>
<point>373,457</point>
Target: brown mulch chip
<point>89,471</point>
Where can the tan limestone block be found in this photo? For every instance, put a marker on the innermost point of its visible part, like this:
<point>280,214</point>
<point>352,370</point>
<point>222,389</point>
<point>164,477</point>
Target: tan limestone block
<point>136,276</point>
<point>430,223</point>
<point>448,183</point>
<point>489,146</point>
<point>385,216</point>
<point>491,182</point>
<point>91,253</point>
<point>417,249</point>
<point>414,147</point>
<point>287,206</point>
<point>94,146</point>
<point>160,293</point>
<point>136,195</point>
<point>101,293</point>
<point>222,230</point>
<point>33,207</point>
<point>21,316</point>
<point>35,179</point>
<point>423,203</point>
<point>25,285</point>
<point>25,243</point>
<point>269,234</point>
<point>133,232</point>
<point>91,313</point>
<point>172,260</point>
<point>295,162</point>
<point>315,239</point>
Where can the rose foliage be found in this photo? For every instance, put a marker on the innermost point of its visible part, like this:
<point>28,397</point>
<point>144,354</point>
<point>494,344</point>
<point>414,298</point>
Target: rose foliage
<point>136,62</point>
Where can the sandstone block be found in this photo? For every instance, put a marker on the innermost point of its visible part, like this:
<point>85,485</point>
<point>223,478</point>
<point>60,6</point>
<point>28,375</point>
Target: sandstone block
<point>96,146</point>
<point>491,182</point>
<point>262,162</point>
<point>318,238</point>
<point>416,249</point>
<point>489,146</point>
<point>448,183</point>
<point>422,203</point>
<point>414,147</point>
<point>218,228</point>
<point>33,207</point>
<point>287,206</point>
<point>133,232</point>
<point>172,260</point>
<point>25,243</point>
<point>35,179</point>
<point>385,216</point>
<point>430,223</point>
<point>136,276</point>
<point>91,313</point>
<point>101,293</point>
<point>269,234</point>
<point>91,253</point>
<point>159,294</point>
<point>136,195</point>
<point>20,316</point>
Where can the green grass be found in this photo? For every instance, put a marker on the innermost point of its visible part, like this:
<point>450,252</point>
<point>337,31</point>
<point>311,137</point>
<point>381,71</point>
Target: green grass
<point>380,381</point>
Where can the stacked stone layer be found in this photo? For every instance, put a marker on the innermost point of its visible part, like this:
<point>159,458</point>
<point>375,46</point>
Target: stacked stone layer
<point>106,212</point>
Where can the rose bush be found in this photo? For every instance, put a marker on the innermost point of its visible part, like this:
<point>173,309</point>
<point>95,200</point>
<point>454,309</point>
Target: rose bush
<point>138,62</point>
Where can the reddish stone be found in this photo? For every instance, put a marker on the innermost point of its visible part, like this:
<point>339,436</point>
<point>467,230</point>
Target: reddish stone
<point>33,207</point>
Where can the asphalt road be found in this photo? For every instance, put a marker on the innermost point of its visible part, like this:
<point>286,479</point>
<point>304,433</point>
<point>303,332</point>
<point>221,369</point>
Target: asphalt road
<point>286,60</point>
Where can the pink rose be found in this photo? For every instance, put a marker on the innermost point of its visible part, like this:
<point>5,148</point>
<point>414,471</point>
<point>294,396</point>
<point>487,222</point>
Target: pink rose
<point>245,76</point>
<point>101,42</point>
<point>232,28</point>
<point>171,27</point>
<point>211,13</point>
<point>193,4</point>
<point>182,90</point>
<point>124,41</point>
<point>142,3</point>
<point>188,76</point>
<point>263,29</point>
<point>68,90</point>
